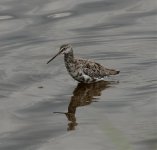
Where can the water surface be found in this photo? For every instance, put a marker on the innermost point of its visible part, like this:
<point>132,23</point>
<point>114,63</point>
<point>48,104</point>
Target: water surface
<point>119,34</point>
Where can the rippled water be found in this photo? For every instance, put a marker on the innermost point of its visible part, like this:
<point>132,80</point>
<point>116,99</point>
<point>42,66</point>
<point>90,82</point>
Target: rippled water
<point>40,103</point>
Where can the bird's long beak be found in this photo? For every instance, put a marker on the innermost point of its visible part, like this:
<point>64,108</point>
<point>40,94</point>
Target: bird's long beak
<point>54,57</point>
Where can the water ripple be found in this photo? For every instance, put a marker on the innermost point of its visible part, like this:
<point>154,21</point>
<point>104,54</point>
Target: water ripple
<point>6,17</point>
<point>59,15</point>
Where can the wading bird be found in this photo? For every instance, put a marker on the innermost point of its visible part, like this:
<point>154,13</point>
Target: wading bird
<point>83,70</point>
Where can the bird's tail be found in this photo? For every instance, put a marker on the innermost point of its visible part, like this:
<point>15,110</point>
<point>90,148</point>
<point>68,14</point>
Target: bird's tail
<point>113,72</point>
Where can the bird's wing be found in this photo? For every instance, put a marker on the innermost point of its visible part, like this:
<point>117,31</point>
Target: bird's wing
<point>92,69</point>
<point>95,70</point>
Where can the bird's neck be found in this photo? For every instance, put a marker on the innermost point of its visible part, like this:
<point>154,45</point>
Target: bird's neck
<point>69,57</point>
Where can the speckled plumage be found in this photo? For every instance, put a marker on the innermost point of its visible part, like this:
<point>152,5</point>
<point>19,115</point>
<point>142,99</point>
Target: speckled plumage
<point>83,70</point>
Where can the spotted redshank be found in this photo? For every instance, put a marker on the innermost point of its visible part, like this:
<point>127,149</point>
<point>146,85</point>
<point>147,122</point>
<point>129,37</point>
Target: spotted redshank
<point>83,70</point>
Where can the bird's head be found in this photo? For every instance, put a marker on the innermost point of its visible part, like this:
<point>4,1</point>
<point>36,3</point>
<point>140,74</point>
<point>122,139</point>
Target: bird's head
<point>64,49</point>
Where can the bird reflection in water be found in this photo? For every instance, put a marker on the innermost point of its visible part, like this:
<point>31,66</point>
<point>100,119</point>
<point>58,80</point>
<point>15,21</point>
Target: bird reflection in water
<point>83,95</point>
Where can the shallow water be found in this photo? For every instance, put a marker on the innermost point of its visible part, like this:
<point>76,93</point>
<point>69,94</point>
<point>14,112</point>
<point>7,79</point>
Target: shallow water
<point>42,107</point>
